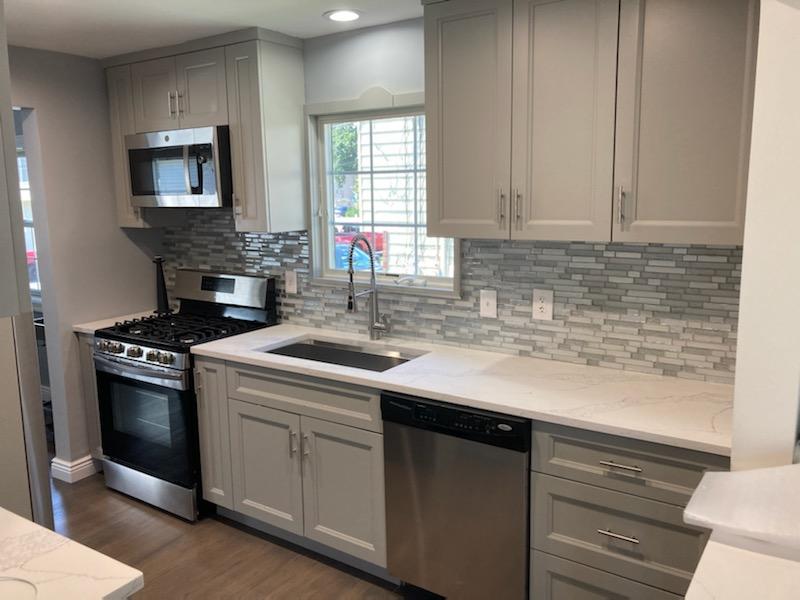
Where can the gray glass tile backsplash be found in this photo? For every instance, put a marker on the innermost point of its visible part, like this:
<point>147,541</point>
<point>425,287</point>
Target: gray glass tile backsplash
<point>665,309</point>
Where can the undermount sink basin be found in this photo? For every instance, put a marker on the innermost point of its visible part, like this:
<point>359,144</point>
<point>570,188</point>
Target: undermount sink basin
<point>372,357</point>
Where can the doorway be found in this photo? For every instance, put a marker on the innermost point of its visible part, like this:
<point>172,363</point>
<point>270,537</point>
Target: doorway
<point>21,115</point>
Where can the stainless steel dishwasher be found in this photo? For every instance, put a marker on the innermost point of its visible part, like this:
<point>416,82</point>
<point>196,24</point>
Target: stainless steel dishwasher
<point>457,489</point>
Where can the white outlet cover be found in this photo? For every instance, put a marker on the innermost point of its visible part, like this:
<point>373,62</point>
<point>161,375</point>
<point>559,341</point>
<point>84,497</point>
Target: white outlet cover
<point>489,304</point>
<point>543,305</point>
<point>291,282</point>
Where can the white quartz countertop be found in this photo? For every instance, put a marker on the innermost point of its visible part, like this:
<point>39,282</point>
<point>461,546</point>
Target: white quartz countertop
<point>36,563</point>
<point>728,572</point>
<point>679,412</point>
<point>93,326</point>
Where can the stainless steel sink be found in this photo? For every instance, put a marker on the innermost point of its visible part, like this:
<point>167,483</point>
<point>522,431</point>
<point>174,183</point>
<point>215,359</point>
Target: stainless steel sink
<point>372,357</point>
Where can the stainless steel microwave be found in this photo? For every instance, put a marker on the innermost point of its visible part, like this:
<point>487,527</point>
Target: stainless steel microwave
<point>184,168</point>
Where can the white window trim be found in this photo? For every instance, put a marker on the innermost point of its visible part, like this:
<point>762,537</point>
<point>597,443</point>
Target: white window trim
<point>375,103</point>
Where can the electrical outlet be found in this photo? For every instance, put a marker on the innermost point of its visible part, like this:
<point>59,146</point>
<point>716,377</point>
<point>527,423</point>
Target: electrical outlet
<point>291,282</point>
<point>489,304</point>
<point>543,305</point>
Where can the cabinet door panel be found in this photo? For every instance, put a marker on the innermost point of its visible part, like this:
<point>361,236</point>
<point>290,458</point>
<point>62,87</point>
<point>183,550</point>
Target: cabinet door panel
<point>154,89</point>
<point>343,489</point>
<point>468,113</point>
<point>683,119</point>
<point>565,55</point>
<point>267,483</point>
<point>214,432</point>
<point>202,97</point>
<point>247,145</point>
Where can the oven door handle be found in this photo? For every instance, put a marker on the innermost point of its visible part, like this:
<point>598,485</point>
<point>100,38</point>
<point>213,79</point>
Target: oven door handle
<point>175,380</point>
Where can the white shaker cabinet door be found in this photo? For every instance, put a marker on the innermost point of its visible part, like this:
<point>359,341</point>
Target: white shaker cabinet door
<point>343,489</point>
<point>683,120</point>
<point>468,117</point>
<point>214,431</point>
<point>155,101</point>
<point>565,69</point>
<point>265,455</point>
<point>201,88</point>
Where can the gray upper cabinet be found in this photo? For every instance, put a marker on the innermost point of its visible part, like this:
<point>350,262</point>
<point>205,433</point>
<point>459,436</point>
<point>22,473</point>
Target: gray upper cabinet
<point>120,101</point>
<point>214,431</point>
<point>468,116</point>
<point>202,93</point>
<point>343,489</point>
<point>565,69</point>
<point>266,94</point>
<point>154,95</point>
<point>265,455</point>
<point>683,120</point>
<point>180,92</point>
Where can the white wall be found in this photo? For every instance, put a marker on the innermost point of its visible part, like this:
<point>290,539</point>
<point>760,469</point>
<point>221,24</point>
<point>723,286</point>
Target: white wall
<point>90,268</point>
<point>344,65</point>
<point>767,394</point>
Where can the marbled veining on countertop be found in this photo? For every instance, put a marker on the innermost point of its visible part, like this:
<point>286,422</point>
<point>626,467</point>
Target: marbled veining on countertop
<point>684,413</point>
<point>58,568</point>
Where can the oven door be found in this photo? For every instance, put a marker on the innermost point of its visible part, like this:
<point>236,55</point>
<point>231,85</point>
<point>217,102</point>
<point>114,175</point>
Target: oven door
<point>181,168</point>
<point>148,419</point>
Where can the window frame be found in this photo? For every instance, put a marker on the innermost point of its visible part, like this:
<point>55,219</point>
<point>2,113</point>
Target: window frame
<point>322,274</point>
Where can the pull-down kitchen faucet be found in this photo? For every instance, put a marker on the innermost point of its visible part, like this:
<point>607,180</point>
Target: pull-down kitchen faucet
<point>378,323</point>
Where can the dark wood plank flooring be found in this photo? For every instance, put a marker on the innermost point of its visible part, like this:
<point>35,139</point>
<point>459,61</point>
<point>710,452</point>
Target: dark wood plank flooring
<point>208,559</point>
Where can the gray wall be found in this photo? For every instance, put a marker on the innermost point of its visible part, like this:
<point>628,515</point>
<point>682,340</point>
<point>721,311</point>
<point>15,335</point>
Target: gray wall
<point>668,310</point>
<point>90,268</point>
<point>344,65</point>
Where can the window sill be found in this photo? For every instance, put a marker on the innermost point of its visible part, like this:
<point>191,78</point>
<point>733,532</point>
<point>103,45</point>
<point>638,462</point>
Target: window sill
<point>390,289</point>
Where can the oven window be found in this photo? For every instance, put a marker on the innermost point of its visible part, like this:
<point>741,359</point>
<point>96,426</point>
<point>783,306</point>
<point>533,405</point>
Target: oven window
<point>157,171</point>
<point>143,414</point>
<point>149,427</point>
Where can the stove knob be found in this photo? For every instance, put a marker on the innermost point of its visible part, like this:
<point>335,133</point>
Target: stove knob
<point>102,345</point>
<point>116,348</point>
<point>152,356</point>
<point>135,352</point>
<point>166,358</point>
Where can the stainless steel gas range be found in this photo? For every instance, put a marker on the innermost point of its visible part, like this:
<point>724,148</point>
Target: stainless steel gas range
<point>148,412</point>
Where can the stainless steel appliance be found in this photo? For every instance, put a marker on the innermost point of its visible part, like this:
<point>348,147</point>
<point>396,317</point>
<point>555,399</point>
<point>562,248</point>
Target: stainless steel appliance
<point>183,168</point>
<point>148,411</point>
<point>457,494</point>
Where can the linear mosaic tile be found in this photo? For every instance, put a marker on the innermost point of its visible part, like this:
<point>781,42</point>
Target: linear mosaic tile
<point>654,308</point>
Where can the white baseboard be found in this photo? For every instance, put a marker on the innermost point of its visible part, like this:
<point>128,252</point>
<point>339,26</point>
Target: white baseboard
<point>72,471</point>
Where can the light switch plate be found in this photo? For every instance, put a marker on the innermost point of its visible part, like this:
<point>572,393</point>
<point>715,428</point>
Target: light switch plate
<point>291,282</point>
<point>543,305</point>
<point>489,304</point>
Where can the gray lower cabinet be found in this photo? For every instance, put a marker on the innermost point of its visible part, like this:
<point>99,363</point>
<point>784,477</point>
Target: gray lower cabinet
<point>214,432</point>
<point>265,457</point>
<point>343,490</point>
<point>554,578</point>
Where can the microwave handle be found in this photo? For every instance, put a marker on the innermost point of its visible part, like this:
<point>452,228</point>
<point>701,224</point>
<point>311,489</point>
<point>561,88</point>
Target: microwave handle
<point>187,179</point>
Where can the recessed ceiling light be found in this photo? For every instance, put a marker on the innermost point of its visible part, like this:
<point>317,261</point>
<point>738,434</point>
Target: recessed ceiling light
<point>342,15</point>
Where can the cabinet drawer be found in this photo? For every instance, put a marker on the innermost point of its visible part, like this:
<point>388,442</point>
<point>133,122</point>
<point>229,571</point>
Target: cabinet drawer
<point>633,537</point>
<point>641,468</point>
<point>554,578</point>
<point>337,402</point>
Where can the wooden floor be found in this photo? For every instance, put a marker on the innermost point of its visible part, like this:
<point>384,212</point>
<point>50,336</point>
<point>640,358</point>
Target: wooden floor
<point>208,559</point>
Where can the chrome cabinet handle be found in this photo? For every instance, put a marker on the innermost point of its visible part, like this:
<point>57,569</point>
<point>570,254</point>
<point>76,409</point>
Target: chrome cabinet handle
<point>292,442</point>
<point>618,536</point>
<point>180,102</point>
<point>613,465</point>
<point>237,206</point>
<point>621,205</point>
<point>518,208</point>
<point>169,105</point>
<point>306,447</point>
<point>501,206</point>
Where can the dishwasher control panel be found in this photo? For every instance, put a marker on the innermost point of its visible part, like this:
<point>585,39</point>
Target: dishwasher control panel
<point>470,423</point>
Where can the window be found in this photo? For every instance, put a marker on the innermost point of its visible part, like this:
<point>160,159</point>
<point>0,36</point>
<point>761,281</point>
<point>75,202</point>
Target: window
<point>373,182</point>
<point>31,255</point>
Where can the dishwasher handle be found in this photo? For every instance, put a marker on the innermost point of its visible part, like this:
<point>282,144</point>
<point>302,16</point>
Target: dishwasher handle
<point>486,427</point>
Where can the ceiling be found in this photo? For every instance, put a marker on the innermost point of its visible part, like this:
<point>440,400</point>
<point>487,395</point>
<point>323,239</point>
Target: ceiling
<point>103,28</point>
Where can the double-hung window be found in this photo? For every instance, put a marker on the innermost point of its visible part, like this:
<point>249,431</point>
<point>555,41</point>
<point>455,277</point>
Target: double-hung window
<point>372,181</point>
